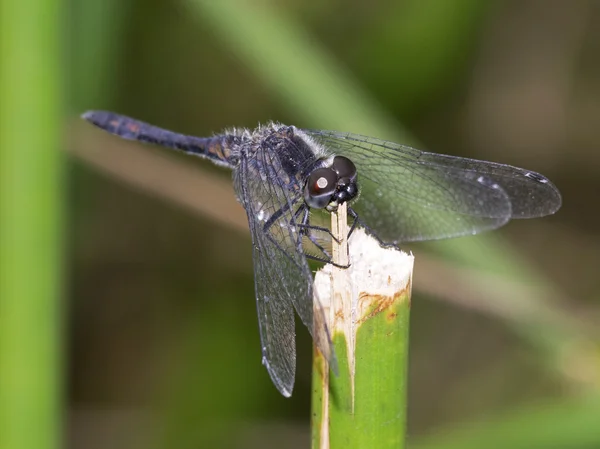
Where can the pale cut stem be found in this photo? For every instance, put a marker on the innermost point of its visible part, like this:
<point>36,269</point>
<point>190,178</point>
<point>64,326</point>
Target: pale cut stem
<point>341,297</point>
<point>339,229</point>
<point>341,292</point>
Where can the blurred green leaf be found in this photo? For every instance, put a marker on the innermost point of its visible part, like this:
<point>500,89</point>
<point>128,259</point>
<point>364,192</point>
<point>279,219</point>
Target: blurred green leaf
<point>564,424</point>
<point>294,67</point>
<point>418,49</point>
<point>95,47</point>
<point>31,171</point>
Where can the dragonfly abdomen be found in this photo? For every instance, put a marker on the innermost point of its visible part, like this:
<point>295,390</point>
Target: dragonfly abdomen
<point>219,149</point>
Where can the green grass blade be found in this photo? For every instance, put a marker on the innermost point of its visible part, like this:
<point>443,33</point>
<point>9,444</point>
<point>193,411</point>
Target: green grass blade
<point>98,33</point>
<point>295,68</point>
<point>30,223</point>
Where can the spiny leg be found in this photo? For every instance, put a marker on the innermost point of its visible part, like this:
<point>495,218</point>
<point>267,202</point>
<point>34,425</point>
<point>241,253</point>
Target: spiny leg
<point>355,221</point>
<point>305,224</point>
<point>306,227</point>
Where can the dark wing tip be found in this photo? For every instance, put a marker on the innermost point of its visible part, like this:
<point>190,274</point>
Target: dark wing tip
<point>556,202</point>
<point>544,198</point>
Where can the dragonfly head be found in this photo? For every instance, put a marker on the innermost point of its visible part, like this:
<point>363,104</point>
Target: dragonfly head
<point>328,187</point>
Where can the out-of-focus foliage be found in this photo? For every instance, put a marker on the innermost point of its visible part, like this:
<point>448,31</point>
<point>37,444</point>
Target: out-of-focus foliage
<point>31,224</point>
<point>163,342</point>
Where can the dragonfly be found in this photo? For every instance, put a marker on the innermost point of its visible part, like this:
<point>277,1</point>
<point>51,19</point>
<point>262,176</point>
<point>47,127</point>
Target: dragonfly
<point>285,176</point>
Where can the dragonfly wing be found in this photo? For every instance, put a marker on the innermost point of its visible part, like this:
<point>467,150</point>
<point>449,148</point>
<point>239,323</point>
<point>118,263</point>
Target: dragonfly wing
<point>283,280</point>
<point>412,195</point>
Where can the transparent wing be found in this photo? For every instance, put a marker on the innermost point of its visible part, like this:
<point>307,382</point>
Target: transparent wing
<point>283,280</point>
<point>411,195</point>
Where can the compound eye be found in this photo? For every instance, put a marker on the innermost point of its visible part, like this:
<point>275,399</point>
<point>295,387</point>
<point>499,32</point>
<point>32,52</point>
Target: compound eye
<point>320,187</point>
<point>344,167</point>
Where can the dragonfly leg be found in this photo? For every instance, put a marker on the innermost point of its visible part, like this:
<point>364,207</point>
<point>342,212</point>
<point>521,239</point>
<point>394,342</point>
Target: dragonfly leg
<point>306,228</point>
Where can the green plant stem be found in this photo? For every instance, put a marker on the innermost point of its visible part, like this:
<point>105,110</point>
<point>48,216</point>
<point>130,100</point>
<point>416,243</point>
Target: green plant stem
<point>368,307</point>
<point>30,209</point>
